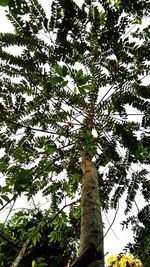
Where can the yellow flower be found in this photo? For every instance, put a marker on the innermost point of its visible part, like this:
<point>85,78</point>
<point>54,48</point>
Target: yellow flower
<point>128,258</point>
<point>137,263</point>
<point>124,260</point>
<point>114,261</point>
<point>111,260</point>
<point>116,264</point>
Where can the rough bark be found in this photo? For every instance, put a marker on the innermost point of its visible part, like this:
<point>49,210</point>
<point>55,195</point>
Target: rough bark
<point>21,253</point>
<point>91,218</point>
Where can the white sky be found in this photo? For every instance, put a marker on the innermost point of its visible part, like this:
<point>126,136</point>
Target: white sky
<point>116,239</point>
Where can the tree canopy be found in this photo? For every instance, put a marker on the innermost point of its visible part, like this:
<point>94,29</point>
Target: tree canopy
<point>68,83</point>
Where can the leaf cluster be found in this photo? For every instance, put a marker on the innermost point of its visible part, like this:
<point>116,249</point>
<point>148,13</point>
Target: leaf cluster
<point>52,242</point>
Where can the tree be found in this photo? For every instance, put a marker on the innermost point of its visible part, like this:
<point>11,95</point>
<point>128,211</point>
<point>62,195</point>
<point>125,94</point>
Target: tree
<point>65,94</point>
<point>54,248</point>
<point>141,228</point>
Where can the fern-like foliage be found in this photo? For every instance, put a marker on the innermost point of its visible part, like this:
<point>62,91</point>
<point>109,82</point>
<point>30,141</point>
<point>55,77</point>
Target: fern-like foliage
<point>76,67</point>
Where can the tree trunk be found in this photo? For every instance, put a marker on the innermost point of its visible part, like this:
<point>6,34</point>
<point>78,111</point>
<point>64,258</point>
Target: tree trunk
<point>91,218</point>
<point>21,253</point>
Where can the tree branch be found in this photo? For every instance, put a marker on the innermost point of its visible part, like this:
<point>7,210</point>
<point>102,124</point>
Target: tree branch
<point>21,253</point>
<point>10,241</point>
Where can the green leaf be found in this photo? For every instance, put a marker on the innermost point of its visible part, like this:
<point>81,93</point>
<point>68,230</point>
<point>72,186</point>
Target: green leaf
<point>42,264</point>
<point>64,70</point>
<point>85,79</point>
<point>78,75</point>
<point>54,236</point>
<point>64,83</point>
<point>58,70</point>
<point>4,2</point>
<point>50,145</point>
<point>81,79</point>
<point>1,202</point>
<point>62,133</point>
<point>89,87</point>
<point>36,238</point>
<point>50,149</point>
<point>57,79</point>
<point>21,177</point>
<point>5,198</point>
<point>82,90</point>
